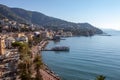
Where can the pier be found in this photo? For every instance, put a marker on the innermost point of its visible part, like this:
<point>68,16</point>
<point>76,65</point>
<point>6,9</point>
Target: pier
<point>58,48</point>
<point>53,50</point>
<point>46,73</point>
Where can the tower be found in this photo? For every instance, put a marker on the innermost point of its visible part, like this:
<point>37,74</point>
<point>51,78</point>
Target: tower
<point>2,46</point>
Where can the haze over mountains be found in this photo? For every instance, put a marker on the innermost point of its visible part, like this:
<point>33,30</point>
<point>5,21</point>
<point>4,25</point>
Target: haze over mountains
<point>25,16</point>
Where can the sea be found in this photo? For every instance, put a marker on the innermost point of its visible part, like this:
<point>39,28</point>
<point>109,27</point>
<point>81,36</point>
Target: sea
<point>88,57</point>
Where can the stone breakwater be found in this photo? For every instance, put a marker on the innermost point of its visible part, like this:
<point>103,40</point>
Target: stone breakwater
<point>46,73</point>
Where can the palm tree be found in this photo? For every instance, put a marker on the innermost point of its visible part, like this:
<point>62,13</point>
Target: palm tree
<point>24,75</point>
<point>25,63</point>
<point>38,64</point>
<point>100,77</point>
<point>23,48</point>
<point>25,68</point>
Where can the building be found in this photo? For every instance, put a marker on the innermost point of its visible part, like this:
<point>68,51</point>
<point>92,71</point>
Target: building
<point>9,41</point>
<point>43,34</point>
<point>2,46</point>
<point>23,39</point>
<point>1,70</point>
<point>17,35</point>
<point>30,36</point>
<point>49,35</point>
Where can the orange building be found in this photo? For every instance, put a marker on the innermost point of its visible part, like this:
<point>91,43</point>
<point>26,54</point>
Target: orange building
<point>18,35</point>
<point>2,46</point>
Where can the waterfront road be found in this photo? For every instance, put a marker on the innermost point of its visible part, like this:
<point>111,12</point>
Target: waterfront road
<point>48,76</point>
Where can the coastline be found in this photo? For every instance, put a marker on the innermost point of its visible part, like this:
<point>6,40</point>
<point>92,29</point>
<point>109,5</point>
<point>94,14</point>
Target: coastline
<point>47,74</point>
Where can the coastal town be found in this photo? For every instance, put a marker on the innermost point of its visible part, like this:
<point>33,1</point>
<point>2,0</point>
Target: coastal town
<point>20,50</point>
<point>59,40</point>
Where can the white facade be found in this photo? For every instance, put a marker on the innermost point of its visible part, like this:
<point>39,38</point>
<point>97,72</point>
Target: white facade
<point>9,41</point>
<point>23,38</point>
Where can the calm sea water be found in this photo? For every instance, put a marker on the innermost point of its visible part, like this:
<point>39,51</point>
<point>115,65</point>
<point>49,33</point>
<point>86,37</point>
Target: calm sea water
<point>88,58</point>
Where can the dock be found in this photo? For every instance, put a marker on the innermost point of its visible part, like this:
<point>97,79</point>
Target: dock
<point>59,48</point>
<point>45,72</point>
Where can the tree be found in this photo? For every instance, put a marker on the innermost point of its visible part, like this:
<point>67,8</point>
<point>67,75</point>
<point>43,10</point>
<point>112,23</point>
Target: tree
<point>37,39</point>
<point>25,72</point>
<point>38,65</point>
<point>23,48</point>
<point>25,67</point>
<point>100,77</point>
<point>25,63</point>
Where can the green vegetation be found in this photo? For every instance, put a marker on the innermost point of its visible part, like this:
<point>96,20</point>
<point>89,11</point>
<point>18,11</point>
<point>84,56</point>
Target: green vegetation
<point>24,16</point>
<point>26,64</point>
<point>100,77</point>
<point>23,48</point>
<point>25,69</point>
<point>36,40</point>
<point>38,64</point>
<point>6,12</point>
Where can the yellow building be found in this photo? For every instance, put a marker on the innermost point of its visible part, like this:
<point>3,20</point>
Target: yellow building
<point>30,36</point>
<point>18,35</point>
<point>2,46</point>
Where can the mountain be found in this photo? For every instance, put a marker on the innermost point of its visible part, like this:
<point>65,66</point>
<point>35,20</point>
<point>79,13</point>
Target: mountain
<point>25,16</point>
<point>112,32</point>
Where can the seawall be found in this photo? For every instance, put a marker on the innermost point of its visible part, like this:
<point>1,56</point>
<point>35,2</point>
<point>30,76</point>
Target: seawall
<point>46,73</point>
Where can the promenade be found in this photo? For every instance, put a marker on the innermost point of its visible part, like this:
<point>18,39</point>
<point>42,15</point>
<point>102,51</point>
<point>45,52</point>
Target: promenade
<point>45,72</point>
<point>46,75</point>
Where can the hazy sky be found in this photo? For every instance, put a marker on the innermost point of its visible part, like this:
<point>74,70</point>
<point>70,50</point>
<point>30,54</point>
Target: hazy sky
<point>100,13</point>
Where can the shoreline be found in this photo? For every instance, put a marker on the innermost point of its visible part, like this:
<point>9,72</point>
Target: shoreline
<point>54,76</point>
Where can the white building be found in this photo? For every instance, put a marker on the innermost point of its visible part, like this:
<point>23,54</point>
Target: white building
<point>23,39</point>
<point>9,41</point>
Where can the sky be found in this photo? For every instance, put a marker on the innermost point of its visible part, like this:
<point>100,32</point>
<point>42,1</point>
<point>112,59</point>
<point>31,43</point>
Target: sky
<point>100,13</point>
